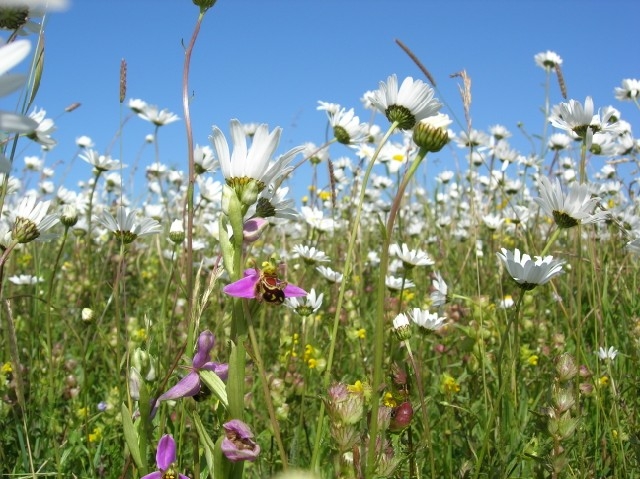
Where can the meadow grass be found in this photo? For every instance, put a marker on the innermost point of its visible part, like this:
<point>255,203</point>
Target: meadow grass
<point>517,380</point>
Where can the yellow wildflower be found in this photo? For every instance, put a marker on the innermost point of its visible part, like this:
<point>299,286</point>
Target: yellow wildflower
<point>82,413</point>
<point>388,400</point>
<point>325,195</point>
<point>449,385</point>
<point>361,333</point>
<point>96,435</point>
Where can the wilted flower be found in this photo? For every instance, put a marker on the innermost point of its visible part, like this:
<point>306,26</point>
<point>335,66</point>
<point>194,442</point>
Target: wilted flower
<point>238,444</point>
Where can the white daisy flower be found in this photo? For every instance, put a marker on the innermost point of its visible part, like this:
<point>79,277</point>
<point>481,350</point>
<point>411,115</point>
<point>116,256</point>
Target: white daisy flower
<point>427,320</point>
<point>408,104</point>
<point>570,210</point>
<point>528,272</point>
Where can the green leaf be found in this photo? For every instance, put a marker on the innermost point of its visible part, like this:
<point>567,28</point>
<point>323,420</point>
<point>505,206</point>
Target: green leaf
<point>216,385</point>
<point>131,438</point>
<point>206,442</point>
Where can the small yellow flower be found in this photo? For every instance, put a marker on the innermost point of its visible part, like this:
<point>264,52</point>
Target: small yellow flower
<point>325,195</point>
<point>96,435</point>
<point>139,335</point>
<point>82,413</point>
<point>357,387</point>
<point>614,433</point>
<point>408,295</point>
<point>533,360</point>
<point>388,400</point>
<point>6,368</point>
<point>449,385</point>
<point>361,333</point>
<point>312,363</point>
<point>309,352</point>
<point>312,188</point>
<point>603,381</point>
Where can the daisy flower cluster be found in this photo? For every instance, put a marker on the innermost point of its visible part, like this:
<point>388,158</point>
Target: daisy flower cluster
<point>245,316</point>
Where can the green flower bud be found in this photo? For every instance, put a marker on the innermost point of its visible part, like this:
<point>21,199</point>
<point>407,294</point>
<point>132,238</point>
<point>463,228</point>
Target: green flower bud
<point>12,18</point>
<point>431,133</point>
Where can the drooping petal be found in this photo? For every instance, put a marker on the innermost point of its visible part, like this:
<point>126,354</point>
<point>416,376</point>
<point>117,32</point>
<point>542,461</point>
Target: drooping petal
<point>206,341</point>
<point>188,386</point>
<point>166,452</point>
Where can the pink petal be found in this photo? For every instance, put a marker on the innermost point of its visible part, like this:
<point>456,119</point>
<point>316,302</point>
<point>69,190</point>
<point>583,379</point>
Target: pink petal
<point>166,453</point>
<point>291,290</point>
<point>243,288</point>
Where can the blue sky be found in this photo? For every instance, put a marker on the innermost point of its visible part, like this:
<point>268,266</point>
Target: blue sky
<point>271,61</point>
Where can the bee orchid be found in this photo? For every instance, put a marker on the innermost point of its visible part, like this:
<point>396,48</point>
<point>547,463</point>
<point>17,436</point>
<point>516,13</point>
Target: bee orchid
<point>263,285</point>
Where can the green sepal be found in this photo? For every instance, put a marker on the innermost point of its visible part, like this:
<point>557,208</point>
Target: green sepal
<point>226,247</point>
<point>235,381</point>
<point>215,385</point>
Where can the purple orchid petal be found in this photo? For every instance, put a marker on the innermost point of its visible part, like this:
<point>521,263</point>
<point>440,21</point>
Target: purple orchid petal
<point>166,453</point>
<point>292,290</point>
<point>188,386</point>
<point>206,341</point>
<point>243,288</point>
<point>220,369</point>
<point>238,445</point>
<point>153,475</point>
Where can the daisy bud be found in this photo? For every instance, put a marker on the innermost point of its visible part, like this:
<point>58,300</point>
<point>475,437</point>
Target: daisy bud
<point>25,230</point>
<point>176,232</point>
<point>69,216</point>
<point>431,132</point>
<point>401,327</point>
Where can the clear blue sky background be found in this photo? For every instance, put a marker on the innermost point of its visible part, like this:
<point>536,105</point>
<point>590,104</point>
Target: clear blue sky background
<point>272,60</point>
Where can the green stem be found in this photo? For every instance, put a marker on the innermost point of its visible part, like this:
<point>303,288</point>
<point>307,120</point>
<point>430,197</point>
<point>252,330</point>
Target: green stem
<point>336,320</point>
<point>190,188</point>
<point>265,386</point>
<point>379,335</point>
